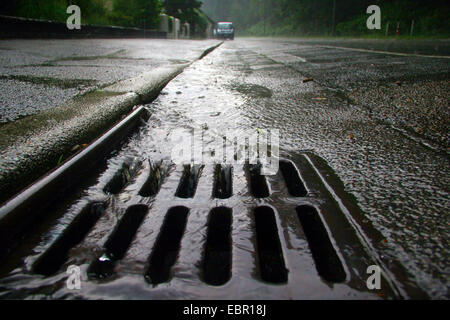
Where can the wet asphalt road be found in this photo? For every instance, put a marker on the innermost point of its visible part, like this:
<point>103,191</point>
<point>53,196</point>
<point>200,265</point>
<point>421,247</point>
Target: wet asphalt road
<point>386,141</point>
<point>355,116</point>
<point>37,75</point>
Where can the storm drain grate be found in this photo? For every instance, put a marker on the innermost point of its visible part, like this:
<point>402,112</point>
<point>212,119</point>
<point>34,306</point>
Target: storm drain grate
<point>194,228</point>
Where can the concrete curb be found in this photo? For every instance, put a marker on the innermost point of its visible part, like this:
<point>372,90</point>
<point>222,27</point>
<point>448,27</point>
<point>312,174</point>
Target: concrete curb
<point>32,146</point>
<point>23,210</point>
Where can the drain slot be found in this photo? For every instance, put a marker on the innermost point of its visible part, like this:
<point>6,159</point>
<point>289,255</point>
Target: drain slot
<point>217,258</point>
<point>327,262</point>
<point>258,183</point>
<point>167,246</point>
<point>119,242</point>
<point>223,180</point>
<point>52,259</point>
<point>156,176</point>
<point>189,181</point>
<point>270,254</point>
<point>119,180</point>
<point>294,183</point>
<point>122,177</point>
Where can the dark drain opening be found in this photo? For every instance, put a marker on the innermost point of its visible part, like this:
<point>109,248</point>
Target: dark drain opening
<point>258,183</point>
<point>155,178</point>
<point>217,258</point>
<point>119,180</point>
<point>52,259</point>
<point>167,246</point>
<point>270,254</point>
<point>189,181</point>
<point>294,183</point>
<point>119,242</point>
<point>327,262</point>
<point>223,182</point>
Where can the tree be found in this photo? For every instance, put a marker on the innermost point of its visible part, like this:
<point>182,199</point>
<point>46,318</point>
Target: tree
<point>185,10</point>
<point>136,13</point>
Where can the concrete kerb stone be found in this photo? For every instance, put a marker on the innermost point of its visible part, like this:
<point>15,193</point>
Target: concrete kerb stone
<point>28,151</point>
<point>34,145</point>
<point>149,84</point>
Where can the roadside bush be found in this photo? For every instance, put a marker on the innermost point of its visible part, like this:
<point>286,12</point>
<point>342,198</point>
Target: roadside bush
<point>42,9</point>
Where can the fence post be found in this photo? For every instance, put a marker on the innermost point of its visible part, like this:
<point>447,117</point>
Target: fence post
<point>176,28</point>
<point>171,34</point>
<point>387,29</point>
<point>397,32</point>
<point>188,31</point>
<point>164,23</point>
<point>412,28</point>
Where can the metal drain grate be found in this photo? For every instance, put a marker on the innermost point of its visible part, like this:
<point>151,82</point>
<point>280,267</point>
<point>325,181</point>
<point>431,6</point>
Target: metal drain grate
<point>214,231</point>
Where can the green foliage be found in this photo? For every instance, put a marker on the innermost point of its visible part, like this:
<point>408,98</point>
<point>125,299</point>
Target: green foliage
<point>135,13</point>
<point>129,13</point>
<point>315,17</point>
<point>187,11</point>
<point>252,17</point>
<point>355,27</point>
<point>429,20</point>
<point>93,11</point>
<point>48,10</point>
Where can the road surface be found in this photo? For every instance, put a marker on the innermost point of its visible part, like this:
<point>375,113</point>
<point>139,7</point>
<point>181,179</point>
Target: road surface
<point>380,120</point>
<point>387,142</point>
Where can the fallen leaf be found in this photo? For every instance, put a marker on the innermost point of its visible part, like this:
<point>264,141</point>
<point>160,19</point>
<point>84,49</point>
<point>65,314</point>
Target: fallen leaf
<point>84,145</point>
<point>320,98</point>
<point>307,80</point>
<point>75,148</point>
<point>351,136</point>
<point>399,83</point>
<point>60,160</point>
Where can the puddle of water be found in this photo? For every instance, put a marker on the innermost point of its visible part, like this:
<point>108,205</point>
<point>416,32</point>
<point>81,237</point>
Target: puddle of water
<point>252,90</point>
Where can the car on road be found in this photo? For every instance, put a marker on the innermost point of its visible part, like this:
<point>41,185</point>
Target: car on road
<point>225,30</point>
